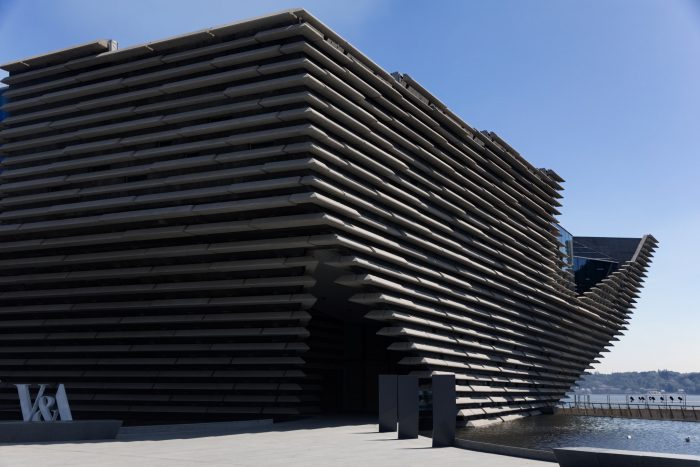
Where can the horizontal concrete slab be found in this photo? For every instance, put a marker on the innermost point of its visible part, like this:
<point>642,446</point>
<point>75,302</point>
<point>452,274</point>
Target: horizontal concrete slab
<point>598,457</point>
<point>41,432</point>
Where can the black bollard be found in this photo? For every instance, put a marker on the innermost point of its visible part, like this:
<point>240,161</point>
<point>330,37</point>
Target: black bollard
<point>388,405</point>
<point>408,407</point>
<point>444,410</point>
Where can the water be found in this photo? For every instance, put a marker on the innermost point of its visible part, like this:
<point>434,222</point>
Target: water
<point>545,432</point>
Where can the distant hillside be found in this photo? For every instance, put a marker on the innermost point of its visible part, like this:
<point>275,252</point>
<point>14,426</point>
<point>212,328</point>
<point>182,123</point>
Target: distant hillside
<point>638,382</point>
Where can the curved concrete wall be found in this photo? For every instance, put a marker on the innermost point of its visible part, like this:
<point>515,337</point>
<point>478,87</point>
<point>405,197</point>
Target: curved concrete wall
<point>175,215</point>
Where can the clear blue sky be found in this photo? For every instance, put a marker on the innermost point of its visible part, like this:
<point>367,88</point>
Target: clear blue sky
<point>605,92</point>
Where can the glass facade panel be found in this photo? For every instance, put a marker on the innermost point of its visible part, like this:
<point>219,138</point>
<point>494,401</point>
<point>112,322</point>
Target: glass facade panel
<point>2,114</point>
<point>2,102</point>
<point>588,272</point>
<point>566,247</point>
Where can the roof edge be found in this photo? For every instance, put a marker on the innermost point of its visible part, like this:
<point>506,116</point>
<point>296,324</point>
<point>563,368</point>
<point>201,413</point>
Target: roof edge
<point>61,56</point>
<point>109,45</point>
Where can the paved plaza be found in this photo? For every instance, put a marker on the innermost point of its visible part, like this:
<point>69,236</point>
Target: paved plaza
<point>318,442</point>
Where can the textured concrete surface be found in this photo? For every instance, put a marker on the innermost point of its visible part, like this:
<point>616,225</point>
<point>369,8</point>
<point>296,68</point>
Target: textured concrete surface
<point>306,443</point>
<point>75,430</point>
<point>259,182</point>
<point>599,457</point>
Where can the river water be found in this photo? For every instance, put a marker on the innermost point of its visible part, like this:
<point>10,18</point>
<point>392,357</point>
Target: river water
<point>547,431</point>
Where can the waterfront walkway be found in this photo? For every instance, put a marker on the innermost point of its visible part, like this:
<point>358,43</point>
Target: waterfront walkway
<point>639,411</point>
<point>316,442</point>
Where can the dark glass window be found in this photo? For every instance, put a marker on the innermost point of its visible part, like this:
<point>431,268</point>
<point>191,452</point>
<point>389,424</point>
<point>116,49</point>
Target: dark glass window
<point>566,248</point>
<point>588,272</point>
<point>2,114</point>
<point>2,102</point>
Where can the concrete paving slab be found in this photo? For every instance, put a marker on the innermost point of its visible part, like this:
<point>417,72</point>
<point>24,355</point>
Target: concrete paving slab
<point>315,442</point>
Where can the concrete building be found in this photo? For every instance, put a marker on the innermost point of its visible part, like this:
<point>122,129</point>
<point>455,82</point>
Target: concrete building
<point>256,220</point>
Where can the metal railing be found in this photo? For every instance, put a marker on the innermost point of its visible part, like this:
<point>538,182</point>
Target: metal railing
<point>633,400</point>
<point>641,410</point>
<point>626,405</point>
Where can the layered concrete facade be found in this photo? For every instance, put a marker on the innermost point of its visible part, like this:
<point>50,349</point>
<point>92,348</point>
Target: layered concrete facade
<point>256,220</point>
